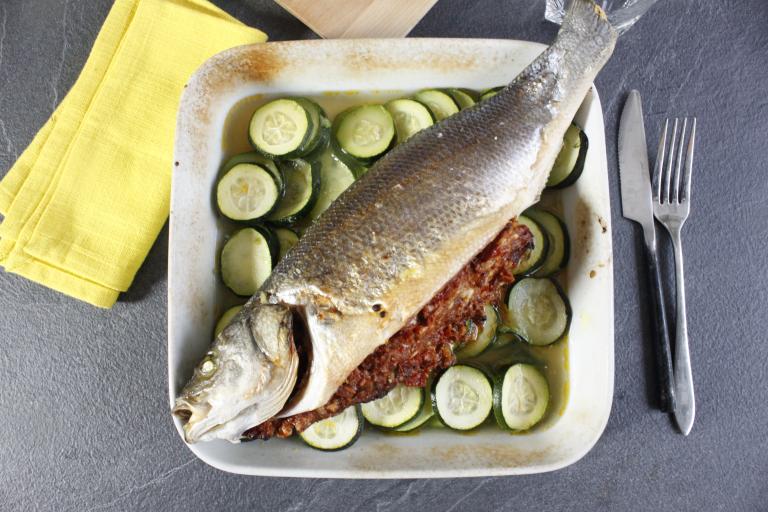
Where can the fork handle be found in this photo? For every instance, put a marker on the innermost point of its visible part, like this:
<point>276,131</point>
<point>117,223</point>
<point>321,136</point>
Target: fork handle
<point>686,404</point>
<point>661,338</point>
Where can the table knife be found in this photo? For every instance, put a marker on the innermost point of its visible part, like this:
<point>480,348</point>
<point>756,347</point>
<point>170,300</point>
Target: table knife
<point>634,176</point>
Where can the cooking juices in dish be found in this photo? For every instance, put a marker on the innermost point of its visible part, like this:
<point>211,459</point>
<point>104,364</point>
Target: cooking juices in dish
<point>399,251</point>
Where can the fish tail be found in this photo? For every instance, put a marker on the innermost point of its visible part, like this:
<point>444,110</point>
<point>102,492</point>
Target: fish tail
<point>587,25</point>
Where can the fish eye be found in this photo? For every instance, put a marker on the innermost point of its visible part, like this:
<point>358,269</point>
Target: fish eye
<point>208,365</point>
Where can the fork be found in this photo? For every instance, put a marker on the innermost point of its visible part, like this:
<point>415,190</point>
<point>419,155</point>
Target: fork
<point>671,205</point>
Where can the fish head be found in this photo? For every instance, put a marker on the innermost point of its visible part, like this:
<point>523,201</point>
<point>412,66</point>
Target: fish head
<point>244,379</point>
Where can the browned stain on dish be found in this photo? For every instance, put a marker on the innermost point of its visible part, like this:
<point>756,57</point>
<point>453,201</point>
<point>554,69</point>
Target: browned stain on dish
<point>261,63</point>
<point>603,224</point>
<point>367,61</point>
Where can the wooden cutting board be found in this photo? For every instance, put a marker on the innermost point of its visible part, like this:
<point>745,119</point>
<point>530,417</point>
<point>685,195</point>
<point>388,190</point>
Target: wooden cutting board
<point>351,19</point>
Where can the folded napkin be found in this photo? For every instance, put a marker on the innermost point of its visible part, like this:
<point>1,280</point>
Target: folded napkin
<point>84,203</point>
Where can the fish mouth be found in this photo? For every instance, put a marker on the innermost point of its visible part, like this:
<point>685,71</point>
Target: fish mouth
<point>195,418</point>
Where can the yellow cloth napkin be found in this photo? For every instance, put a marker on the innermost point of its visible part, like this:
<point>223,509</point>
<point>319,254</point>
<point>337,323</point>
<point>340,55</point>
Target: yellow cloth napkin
<point>85,201</point>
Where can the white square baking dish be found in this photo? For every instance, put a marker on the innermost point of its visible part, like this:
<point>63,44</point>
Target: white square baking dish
<point>210,128</point>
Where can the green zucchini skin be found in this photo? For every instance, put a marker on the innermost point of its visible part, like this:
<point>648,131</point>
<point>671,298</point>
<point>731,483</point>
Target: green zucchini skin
<point>314,183</point>
<point>307,137</point>
<point>541,393</point>
<point>279,187</point>
<point>578,167</point>
<point>541,245</point>
<point>352,439</point>
<point>557,233</point>
<point>272,246</point>
<point>462,97</point>
<point>254,157</point>
<point>356,163</point>
<point>567,311</point>
<point>435,397</point>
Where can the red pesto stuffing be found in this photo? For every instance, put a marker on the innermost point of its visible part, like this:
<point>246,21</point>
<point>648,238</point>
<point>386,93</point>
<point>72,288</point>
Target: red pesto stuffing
<point>425,344</point>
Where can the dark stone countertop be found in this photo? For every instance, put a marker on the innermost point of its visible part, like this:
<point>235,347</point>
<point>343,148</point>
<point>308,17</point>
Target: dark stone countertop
<point>85,425</point>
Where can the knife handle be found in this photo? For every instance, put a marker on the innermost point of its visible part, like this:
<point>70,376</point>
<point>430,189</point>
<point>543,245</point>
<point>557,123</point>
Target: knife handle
<point>661,338</point>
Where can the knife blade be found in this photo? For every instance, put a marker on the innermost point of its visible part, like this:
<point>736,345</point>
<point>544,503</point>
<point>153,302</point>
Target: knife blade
<point>636,205</point>
<point>634,175</point>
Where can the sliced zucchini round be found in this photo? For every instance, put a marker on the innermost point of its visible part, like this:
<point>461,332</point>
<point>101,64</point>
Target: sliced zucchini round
<point>570,161</point>
<point>410,117</point>
<point>286,238</point>
<point>439,103</point>
<point>364,132</point>
<point>247,260</point>
<point>357,167</point>
<point>538,311</point>
<point>335,433</point>
<point>535,258</point>
<point>504,338</point>
<point>302,182</point>
<point>335,178</point>
<point>485,336</point>
<point>425,414</point>
<point>320,127</point>
<point>520,397</point>
<point>225,319</point>
<point>490,93</point>
<point>322,145</point>
<point>281,128</point>
<point>254,157</point>
<point>461,97</point>
<point>559,242</point>
<point>247,192</point>
<point>462,397</point>
<point>397,407</point>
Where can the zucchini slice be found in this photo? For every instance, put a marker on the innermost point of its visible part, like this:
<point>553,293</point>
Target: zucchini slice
<point>520,397</point>
<point>364,132</point>
<point>485,336</point>
<point>247,260</point>
<point>335,433</point>
<point>247,192</point>
<point>254,157</point>
<point>504,338</point>
<point>286,238</point>
<point>462,397</point>
<point>225,319</point>
<point>425,414</point>
<point>320,129</point>
<point>335,178</point>
<point>410,117</point>
<point>559,242</point>
<point>302,182</point>
<point>322,144</point>
<point>538,311</point>
<point>394,409</point>
<point>490,93</point>
<point>281,128</point>
<point>535,258</point>
<point>570,161</point>
<point>439,103</point>
<point>461,97</point>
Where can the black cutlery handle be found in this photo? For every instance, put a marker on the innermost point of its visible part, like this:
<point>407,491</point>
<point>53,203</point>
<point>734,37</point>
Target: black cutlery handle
<point>662,345</point>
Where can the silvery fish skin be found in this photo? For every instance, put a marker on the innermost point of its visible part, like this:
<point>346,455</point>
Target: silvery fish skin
<point>395,237</point>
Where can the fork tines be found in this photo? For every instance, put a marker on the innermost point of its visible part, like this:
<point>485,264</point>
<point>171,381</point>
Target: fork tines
<point>667,182</point>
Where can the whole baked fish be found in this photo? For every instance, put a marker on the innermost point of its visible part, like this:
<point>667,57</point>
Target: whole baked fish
<point>392,240</point>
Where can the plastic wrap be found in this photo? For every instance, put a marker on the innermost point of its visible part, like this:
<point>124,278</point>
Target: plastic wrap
<point>622,13</point>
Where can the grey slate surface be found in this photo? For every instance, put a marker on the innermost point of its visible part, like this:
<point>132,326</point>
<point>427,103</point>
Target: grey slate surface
<point>84,421</point>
